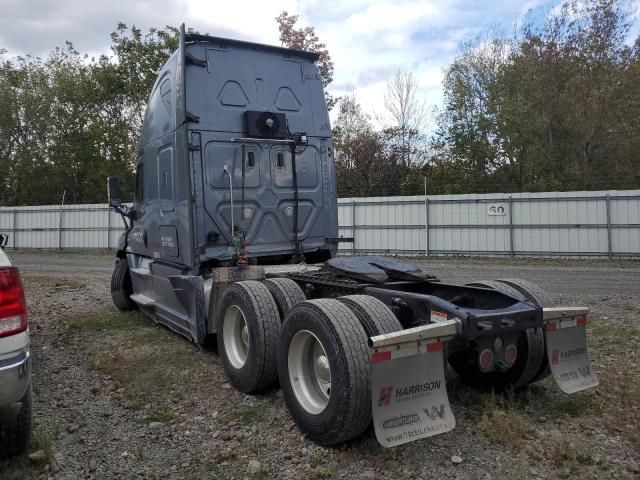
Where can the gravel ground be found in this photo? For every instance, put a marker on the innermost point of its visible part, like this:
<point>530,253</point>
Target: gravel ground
<point>118,397</point>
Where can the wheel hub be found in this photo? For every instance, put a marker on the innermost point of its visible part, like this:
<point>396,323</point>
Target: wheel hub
<point>309,372</point>
<point>236,336</point>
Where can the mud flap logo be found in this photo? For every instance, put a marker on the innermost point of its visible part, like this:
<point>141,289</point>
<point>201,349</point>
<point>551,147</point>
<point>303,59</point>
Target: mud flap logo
<point>401,421</point>
<point>409,397</point>
<point>385,396</point>
<point>435,413</point>
<point>569,358</point>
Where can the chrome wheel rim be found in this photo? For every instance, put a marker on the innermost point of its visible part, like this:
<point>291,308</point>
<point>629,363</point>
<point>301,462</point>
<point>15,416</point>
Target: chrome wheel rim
<point>236,336</point>
<point>309,372</point>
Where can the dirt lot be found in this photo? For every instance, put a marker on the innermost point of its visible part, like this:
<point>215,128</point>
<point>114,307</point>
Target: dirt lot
<point>118,397</point>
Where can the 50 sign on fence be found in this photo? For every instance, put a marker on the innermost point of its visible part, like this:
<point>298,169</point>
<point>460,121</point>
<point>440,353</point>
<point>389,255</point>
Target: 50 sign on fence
<point>497,210</point>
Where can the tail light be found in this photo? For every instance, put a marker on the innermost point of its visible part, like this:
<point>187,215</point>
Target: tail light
<point>486,360</point>
<point>511,354</point>
<point>13,307</point>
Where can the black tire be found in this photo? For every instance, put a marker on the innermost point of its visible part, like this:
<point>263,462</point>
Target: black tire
<point>260,314</point>
<point>531,355</point>
<point>121,287</point>
<point>539,297</point>
<point>374,316</point>
<point>529,290</point>
<point>498,286</point>
<point>286,293</point>
<point>15,427</point>
<point>348,411</point>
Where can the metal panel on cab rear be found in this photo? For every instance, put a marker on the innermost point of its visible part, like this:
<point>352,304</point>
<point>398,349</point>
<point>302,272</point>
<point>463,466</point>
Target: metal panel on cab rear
<point>224,79</point>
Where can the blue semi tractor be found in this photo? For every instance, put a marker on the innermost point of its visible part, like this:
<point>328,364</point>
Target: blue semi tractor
<point>233,236</point>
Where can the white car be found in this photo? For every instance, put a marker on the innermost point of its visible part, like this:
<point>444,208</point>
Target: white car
<point>15,362</point>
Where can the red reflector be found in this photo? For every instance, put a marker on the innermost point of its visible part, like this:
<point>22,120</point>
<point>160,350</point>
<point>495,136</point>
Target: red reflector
<point>435,347</point>
<point>380,356</point>
<point>581,321</point>
<point>552,326</point>
<point>13,308</point>
<point>486,358</point>
<point>510,354</point>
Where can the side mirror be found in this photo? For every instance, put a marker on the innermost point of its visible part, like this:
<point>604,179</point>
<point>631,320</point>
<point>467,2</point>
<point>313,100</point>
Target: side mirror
<point>4,239</point>
<point>113,191</point>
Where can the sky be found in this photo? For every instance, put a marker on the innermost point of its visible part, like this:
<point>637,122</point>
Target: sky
<point>368,39</point>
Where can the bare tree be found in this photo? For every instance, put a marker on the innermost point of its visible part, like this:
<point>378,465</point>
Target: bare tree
<point>407,111</point>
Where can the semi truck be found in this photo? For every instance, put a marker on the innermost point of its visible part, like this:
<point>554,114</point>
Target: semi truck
<point>233,237</point>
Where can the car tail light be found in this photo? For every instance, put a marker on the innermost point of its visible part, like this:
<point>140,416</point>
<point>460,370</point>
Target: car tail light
<point>13,307</point>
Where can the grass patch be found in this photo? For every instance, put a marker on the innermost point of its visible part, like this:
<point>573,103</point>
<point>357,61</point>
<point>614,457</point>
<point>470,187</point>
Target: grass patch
<point>41,440</point>
<point>248,416</point>
<point>573,406</point>
<point>149,365</point>
<point>319,472</point>
<point>109,321</point>
<point>147,372</point>
<point>51,284</point>
<point>569,453</point>
<point>500,421</point>
<point>615,351</point>
<point>153,416</point>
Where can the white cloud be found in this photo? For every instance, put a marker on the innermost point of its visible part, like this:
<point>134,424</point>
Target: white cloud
<point>368,39</point>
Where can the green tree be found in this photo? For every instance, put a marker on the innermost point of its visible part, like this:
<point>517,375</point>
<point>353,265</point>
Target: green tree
<point>307,39</point>
<point>553,108</point>
<point>69,121</point>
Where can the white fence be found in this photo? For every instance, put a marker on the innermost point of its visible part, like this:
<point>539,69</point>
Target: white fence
<point>556,223</point>
<point>603,223</point>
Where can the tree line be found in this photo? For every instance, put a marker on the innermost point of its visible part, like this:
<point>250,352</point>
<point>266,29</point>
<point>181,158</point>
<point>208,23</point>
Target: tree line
<point>551,107</point>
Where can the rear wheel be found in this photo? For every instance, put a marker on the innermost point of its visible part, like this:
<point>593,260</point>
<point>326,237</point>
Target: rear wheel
<point>374,316</point>
<point>15,427</point>
<point>286,293</point>
<point>248,329</point>
<point>529,362</point>
<point>539,297</point>
<point>324,371</point>
<point>121,287</point>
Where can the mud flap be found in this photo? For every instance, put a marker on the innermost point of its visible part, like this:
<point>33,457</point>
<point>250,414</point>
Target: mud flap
<point>566,335</point>
<point>408,391</point>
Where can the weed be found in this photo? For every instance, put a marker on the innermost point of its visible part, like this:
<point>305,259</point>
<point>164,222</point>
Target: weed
<point>571,406</point>
<point>501,423</point>
<point>140,452</point>
<point>41,440</point>
<point>247,416</point>
<point>154,416</point>
<point>319,472</point>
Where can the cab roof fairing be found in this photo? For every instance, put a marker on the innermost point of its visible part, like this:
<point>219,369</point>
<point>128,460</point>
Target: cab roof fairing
<point>196,37</point>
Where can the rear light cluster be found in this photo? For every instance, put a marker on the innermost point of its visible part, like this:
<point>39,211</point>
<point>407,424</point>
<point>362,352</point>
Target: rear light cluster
<point>13,307</point>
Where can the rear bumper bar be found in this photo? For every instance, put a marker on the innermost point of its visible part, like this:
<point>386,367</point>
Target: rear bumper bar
<point>15,374</point>
<point>440,331</point>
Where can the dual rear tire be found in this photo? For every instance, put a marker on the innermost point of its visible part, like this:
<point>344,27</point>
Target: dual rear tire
<point>247,334</point>
<point>317,349</point>
<point>324,365</point>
